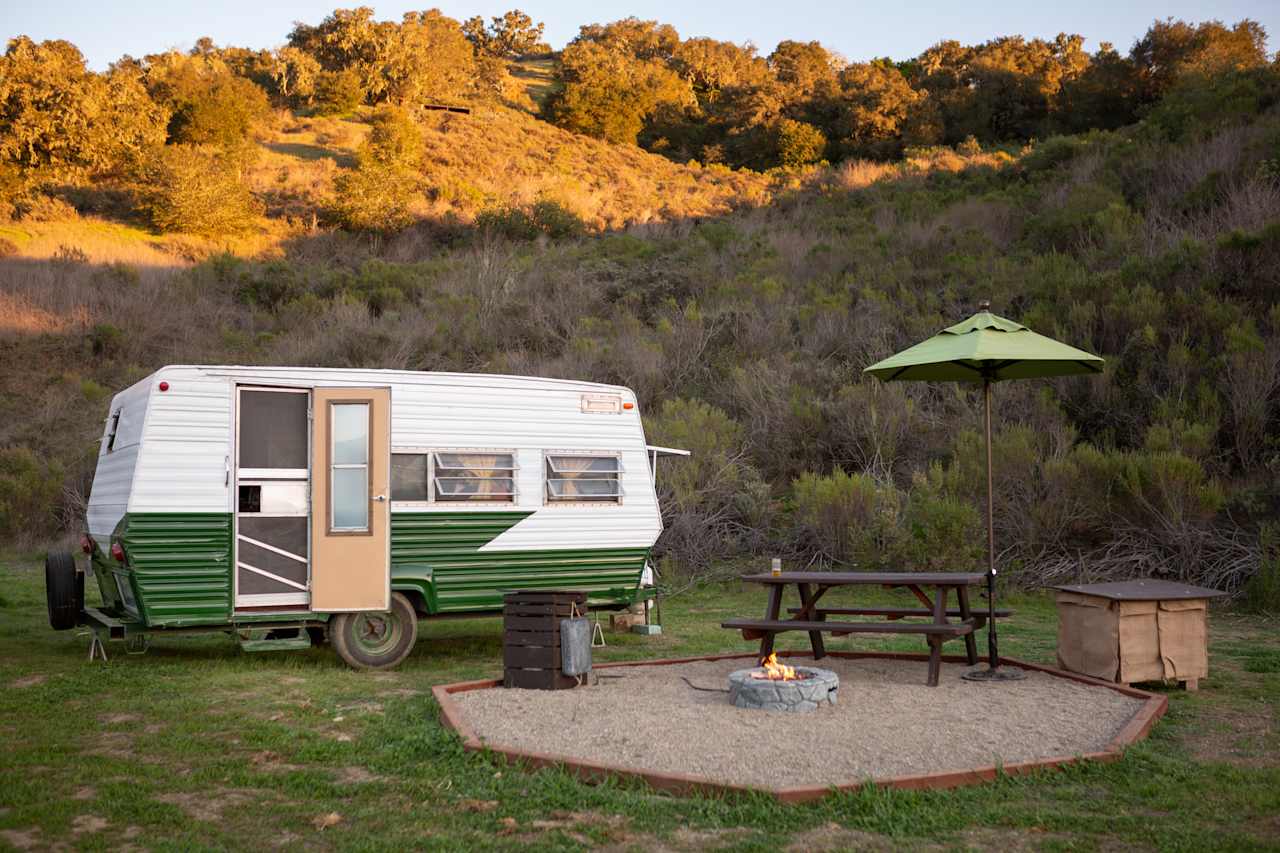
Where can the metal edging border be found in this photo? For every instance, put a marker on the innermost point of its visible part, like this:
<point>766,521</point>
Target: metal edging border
<point>1153,708</point>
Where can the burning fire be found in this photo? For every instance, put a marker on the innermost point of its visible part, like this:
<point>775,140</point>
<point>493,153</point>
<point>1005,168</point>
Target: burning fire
<point>775,671</point>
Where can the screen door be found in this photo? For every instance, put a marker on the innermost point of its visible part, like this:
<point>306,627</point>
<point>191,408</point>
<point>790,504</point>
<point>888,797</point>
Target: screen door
<point>350,506</point>
<point>271,519</point>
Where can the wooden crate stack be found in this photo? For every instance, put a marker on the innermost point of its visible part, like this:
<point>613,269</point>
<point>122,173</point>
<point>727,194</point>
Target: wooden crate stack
<point>531,637</point>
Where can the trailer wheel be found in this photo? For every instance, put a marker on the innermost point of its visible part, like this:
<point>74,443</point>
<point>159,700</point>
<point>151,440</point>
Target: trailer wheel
<point>375,640</point>
<point>63,589</point>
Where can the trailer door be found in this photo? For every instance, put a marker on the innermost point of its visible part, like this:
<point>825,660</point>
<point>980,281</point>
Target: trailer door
<point>350,500</point>
<point>271,512</point>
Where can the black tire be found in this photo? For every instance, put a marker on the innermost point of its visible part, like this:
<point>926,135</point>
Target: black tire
<point>63,589</point>
<point>375,640</point>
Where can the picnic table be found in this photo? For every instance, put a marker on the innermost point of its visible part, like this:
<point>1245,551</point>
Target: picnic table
<point>931,589</point>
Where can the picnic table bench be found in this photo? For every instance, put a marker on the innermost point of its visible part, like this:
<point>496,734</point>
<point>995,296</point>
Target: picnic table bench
<point>812,619</point>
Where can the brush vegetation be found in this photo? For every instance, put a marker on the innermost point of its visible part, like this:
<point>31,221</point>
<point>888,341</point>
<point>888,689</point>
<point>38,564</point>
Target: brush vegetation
<point>734,237</point>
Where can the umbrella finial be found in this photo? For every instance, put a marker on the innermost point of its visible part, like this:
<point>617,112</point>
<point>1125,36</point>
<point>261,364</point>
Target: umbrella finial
<point>984,305</point>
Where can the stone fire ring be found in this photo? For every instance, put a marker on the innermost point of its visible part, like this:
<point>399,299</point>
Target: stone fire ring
<point>812,688</point>
<point>685,785</point>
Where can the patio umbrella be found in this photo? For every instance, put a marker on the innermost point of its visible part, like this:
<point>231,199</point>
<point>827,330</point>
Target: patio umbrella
<point>987,349</point>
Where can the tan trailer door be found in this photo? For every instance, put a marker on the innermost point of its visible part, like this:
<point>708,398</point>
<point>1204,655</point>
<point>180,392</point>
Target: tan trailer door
<point>350,500</point>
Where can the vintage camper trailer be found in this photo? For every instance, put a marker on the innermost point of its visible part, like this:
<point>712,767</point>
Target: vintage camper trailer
<point>290,505</point>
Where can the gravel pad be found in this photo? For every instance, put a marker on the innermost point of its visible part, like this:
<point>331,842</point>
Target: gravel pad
<point>887,723</point>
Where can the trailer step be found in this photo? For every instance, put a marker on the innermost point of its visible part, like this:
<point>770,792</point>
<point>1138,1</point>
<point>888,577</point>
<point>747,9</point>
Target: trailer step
<point>259,640</point>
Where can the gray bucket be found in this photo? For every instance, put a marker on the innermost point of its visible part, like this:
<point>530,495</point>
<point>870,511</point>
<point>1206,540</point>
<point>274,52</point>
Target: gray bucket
<point>575,646</point>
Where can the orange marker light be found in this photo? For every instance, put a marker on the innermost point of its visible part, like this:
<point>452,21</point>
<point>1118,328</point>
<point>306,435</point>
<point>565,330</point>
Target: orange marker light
<point>628,405</point>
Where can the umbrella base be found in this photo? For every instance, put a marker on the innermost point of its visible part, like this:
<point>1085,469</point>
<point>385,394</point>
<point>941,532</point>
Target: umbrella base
<point>997,674</point>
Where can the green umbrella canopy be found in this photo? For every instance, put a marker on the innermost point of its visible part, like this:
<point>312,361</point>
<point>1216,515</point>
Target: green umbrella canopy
<point>985,346</point>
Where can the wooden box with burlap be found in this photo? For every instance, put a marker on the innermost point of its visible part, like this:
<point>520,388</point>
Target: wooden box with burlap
<point>1131,631</point>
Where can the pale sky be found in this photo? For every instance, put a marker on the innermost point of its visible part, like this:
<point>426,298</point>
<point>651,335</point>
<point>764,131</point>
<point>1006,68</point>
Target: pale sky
<point>857,29</point>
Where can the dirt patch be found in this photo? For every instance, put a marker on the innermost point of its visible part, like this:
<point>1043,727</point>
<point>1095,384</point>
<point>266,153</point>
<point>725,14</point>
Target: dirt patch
<point>356,776</point>
<point>1234,737</point>
<point>84,792</point>
<point>29,681</point>
<point>21,839</point>
<point>118,719</point>
<point>272,763</point>
<point>209,807</point>
<point>647,717</point>
<point>400,693</point>
<point>833,836</point>
<point>112,745</point>
<point>87,823</point>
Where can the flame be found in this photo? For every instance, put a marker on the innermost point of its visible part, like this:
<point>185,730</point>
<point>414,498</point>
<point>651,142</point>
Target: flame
<point>775,671</point>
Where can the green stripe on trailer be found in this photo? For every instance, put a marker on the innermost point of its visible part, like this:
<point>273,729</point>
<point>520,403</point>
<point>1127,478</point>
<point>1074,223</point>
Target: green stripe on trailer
<point>439,554</point>
<point>181,566</point>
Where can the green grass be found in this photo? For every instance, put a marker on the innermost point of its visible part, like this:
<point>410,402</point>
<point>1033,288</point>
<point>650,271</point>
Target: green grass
<point>198,745</point>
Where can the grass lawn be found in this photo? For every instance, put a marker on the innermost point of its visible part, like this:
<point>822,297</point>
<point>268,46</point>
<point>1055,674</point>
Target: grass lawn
<point>198,745</point>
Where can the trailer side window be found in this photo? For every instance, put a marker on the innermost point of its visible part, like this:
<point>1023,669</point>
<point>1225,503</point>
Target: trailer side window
<point>574,478</point>
<point>113,426</point>
<point>409,477</point>
<point>473,476</point>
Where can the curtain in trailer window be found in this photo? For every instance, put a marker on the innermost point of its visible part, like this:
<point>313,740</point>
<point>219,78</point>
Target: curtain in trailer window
<point>583,478</point>
<point>474,476</point>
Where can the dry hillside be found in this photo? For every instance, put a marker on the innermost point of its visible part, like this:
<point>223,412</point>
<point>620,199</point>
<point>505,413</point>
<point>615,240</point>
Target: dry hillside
<point>497,157</point>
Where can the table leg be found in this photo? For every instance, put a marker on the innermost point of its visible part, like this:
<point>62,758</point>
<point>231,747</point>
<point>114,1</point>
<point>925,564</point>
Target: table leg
<point>935,640</point>
<point>771,611</point>
<point>970,642</point>
<point>807,602</point>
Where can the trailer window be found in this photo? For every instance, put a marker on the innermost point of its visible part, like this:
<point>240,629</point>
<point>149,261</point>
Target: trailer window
<point>473,476</point>
<point>113,427</point>
<point>409,477</point>
<point>573,478</point>
<point>273,429</point>
<point>349,467</point>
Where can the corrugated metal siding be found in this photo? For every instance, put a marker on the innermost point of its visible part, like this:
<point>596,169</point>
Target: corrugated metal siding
<point>186,448</point>
<point>181,564</point>
<point>469,578</point>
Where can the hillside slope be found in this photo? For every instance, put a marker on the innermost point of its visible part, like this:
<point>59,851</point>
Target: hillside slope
<point>497,157</point>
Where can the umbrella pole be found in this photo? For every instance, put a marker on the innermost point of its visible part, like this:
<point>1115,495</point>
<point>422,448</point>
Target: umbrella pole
<point>993,654</point>
<point>993,672</point>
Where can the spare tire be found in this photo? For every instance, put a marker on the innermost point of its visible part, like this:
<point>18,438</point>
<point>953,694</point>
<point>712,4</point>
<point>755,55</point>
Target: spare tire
<point>63,589</point>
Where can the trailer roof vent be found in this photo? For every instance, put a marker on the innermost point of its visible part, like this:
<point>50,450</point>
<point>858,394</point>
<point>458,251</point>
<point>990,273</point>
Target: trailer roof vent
<point>602,404</point>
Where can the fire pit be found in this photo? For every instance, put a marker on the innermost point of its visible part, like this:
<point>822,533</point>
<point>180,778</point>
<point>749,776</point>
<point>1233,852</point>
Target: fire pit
<point>777,687</point>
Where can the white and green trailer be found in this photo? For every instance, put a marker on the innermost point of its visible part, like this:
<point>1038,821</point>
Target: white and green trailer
<point>288,505</point>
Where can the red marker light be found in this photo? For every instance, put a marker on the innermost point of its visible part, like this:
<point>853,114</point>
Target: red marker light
<point>117,552</point>
<point>164,386</point>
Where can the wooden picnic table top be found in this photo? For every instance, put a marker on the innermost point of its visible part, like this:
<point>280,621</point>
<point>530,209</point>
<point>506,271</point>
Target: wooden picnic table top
<point>949,579</point>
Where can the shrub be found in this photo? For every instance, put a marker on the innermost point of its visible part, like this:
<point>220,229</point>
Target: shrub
<point>848,518</point>
<point>29,489</point>
<point>223,110</point>
<point>198,190</point>
<point>338,92</point>
<point>544,217</point>
<point>799,144</point>
<point>714,502</point>
<point>1262,591</point>
<point>378,193</point>
<point>375,197</point>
